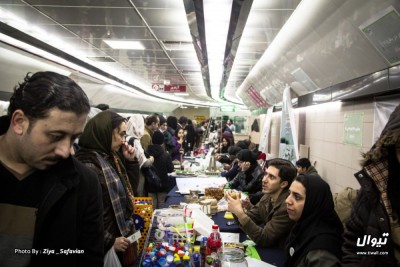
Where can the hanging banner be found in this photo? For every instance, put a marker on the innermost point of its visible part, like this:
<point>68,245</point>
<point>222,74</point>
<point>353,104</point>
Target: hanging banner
<point>383,107</point>
<point>263,147</point>
<point>288,147</point>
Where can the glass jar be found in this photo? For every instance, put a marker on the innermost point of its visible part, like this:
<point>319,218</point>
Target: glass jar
<point>232,257</point>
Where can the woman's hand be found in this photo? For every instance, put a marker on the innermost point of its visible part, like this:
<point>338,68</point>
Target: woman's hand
<point>128,151</point>
<point>245,166</point>
<point>121,244</point>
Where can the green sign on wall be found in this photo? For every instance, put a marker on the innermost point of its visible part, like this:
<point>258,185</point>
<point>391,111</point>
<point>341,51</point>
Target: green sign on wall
<point>353,128</point>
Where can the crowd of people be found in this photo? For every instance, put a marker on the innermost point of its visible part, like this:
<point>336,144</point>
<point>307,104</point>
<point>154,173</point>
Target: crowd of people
<point>69,182</point>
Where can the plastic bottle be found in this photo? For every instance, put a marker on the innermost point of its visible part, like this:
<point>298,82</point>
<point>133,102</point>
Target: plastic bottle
<point>170,237</point>
<point>214,242</point>
<point>203,251</point>
<point>186,261</point>
<point>196,257</point>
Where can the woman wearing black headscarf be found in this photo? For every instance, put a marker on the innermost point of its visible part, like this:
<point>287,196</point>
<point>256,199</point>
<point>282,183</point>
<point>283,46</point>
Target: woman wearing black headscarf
<point>315,239</point>
<point>100,141</point>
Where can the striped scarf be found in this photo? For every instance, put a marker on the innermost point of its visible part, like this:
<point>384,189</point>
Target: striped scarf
<point>118,195</point>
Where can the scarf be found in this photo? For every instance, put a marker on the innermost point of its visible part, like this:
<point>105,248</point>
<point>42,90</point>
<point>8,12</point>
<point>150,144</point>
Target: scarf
<point>97,136</point>
<point>135,131</point>
<point>319,226</point>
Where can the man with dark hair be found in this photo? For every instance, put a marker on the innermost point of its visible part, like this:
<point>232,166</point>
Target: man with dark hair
<point>233,168</point>
<point>50,204</point>
<point>271,209</point>
<point>250,175</point>
<point>304,166</point>
<point>151,125</point>
<point>103,106</point>
<point>182,122</point>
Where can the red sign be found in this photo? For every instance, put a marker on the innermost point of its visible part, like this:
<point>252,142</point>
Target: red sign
<point>175,88</point>
<point>168,88</point>
<point>256,97</point>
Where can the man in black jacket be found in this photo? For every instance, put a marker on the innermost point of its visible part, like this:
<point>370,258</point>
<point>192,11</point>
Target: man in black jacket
<point>50,204</point>
<point>372,233</point>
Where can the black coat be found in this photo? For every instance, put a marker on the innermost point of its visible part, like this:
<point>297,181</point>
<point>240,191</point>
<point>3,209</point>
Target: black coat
<point>70,217</point>
<point>163,165</point>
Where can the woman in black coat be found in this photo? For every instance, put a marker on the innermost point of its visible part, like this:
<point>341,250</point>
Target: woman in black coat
<point>316,238</point>
<point>163,165</point>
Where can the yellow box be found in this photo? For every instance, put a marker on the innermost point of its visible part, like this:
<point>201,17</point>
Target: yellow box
<point>145,211</point>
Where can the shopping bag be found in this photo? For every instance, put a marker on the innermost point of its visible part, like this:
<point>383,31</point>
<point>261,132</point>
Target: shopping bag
<point>111,259</point>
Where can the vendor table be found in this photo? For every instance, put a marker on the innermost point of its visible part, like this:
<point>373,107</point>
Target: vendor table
<point>273,256</point>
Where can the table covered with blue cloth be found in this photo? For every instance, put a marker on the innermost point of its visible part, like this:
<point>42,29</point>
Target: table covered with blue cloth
<point>273,256</point>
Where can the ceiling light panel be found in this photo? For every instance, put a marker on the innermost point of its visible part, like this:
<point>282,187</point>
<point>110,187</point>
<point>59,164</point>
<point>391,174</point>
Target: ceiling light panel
<point>124,44</point>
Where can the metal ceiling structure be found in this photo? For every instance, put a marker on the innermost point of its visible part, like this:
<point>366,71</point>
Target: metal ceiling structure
<point>172,32</point>
<point>267,46</point>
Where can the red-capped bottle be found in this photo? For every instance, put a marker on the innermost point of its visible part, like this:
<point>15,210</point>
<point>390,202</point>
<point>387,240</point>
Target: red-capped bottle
<point>214,242</point>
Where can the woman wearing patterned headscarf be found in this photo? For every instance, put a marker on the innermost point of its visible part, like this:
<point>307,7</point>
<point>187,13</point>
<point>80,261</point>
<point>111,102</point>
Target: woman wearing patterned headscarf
<point>102,137</point>
<point>135,131</point>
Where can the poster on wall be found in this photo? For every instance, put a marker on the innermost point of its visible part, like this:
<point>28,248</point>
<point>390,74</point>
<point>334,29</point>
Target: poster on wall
<point>353,128</point>
<point>288,148</point>
<point>263,147</point>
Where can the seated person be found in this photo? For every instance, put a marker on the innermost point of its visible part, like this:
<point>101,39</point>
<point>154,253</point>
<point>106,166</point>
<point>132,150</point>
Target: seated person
<point>222,151</point>
<point>304,166</point>
<point>223,146</point>
<point>233,168</point>
<point>249,178</point>
<point>344,200</point>
<point>316,238</point>
<point>270,210</point>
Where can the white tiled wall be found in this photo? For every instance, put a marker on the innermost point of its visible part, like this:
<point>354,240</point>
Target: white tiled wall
<point>335,161</point>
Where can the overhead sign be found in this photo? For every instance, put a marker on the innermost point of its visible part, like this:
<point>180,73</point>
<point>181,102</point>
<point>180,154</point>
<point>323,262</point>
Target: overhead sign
<point>169,88</point>
<point>256,97</point>
<point>383,31</point>
<point>227,108</point>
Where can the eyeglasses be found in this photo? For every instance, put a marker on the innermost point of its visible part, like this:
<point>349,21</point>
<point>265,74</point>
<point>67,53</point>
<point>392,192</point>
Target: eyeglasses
<point>123,135</point>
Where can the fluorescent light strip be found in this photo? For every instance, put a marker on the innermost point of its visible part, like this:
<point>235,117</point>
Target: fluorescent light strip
<point>68,64</point>
<point>216,27</point>
<point>124,44</point>
<point>13,20</point>
<point>181,94</point>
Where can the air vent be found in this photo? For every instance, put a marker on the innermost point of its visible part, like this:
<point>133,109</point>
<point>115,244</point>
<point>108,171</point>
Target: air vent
<point>101,59</point>
<point>178,45</point>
